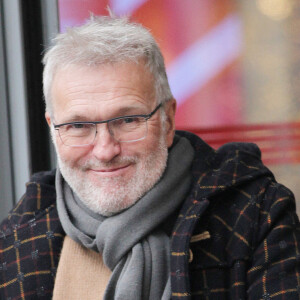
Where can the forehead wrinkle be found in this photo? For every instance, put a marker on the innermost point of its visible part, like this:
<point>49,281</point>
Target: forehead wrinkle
<point>119,84</point>
<point>108,94</point>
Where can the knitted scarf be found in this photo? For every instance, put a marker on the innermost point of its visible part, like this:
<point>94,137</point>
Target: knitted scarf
<point>134,244</point>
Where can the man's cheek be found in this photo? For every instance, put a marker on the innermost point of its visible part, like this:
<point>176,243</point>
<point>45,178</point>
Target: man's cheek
<point>72,156</point>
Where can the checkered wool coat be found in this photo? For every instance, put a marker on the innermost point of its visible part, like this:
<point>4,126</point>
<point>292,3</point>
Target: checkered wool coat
<point>236,236</point>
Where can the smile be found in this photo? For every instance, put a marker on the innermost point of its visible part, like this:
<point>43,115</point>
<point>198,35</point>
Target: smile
<point>116,171</point>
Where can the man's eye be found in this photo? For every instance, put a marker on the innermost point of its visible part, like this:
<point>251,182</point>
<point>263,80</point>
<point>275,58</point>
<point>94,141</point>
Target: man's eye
<point>129,120</point>
<point>78,126</point>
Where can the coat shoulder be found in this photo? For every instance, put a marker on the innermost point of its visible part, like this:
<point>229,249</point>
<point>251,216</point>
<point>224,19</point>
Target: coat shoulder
<point>40,195</point>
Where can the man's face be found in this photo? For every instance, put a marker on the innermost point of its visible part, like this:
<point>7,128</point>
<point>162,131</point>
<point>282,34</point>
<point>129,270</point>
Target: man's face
<point>110,176</point>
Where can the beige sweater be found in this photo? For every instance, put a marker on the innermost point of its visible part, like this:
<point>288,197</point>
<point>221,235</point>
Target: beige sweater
<point>81,273</point>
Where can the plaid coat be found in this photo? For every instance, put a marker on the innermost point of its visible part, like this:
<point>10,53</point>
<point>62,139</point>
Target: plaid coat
<point>236,236</point>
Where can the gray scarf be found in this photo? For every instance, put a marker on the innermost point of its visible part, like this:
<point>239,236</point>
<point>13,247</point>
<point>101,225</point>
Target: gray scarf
<point>134,244</point>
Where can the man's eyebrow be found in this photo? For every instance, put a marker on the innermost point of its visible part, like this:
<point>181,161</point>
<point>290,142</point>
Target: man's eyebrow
<point>76,118</point>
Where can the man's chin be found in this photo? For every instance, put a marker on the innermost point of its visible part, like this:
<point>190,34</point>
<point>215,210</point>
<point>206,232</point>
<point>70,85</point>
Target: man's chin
<point>106,200</point>
<point>104,184</point>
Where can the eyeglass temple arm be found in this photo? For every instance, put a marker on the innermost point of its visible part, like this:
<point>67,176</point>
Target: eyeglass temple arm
<point>155,110</point>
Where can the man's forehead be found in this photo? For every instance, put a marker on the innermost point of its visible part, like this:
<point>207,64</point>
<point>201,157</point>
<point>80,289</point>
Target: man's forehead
<point>78,90</point>
<point>127,74</point>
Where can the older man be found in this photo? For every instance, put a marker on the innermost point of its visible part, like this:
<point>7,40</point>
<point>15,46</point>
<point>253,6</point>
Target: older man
<point>136,210</point>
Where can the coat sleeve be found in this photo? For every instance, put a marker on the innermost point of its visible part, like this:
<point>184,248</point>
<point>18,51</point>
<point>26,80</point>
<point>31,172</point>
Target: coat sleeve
<point>275,269</point>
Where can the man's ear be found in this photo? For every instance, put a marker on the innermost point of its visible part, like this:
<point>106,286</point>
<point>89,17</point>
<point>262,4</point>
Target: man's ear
<point>48,118</point>
<point>170,110</point>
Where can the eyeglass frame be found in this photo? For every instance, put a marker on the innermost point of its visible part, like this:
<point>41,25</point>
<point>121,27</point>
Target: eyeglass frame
<point>147,117</point>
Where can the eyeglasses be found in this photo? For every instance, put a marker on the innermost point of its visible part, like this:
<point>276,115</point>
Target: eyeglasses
<point>122,129</point>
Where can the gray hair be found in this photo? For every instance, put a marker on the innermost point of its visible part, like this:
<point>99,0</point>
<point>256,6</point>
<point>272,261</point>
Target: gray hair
<point>105,40</point>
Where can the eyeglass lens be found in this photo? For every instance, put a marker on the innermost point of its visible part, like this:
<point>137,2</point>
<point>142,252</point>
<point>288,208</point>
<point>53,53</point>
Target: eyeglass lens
<point>123,130</point>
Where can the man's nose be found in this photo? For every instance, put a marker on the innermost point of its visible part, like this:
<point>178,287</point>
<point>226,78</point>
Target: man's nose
<point>105,147</point>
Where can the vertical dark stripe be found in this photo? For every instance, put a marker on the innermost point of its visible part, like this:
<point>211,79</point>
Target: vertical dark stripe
<point>6,173</point>
<point>33,50</point>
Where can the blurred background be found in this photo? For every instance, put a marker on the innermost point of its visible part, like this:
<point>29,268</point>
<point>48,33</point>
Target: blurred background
<point>233,66</point>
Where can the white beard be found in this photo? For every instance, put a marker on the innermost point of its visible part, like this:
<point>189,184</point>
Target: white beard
<point>110,196</point>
